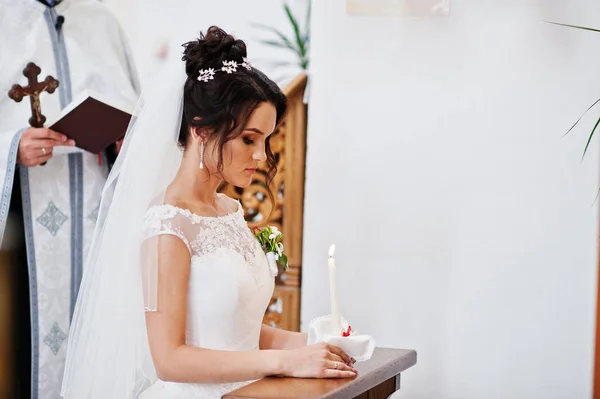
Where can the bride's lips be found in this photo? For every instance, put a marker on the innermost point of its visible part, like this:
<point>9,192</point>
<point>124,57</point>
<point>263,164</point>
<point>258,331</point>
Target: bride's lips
<point>251,171</point>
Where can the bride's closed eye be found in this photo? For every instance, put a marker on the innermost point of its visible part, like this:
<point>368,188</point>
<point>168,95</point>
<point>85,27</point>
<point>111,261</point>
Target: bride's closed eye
<point>248,140</point>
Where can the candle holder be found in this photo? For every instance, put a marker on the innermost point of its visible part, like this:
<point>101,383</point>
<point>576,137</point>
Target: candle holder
<point>358,346</point>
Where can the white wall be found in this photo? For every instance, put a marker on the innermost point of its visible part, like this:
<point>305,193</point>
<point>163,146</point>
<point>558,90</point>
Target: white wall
<point>465,223</point>
<point>150,23</point>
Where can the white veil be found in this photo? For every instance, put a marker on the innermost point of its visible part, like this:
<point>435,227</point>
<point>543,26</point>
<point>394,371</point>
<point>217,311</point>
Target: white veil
<point>108,354</point>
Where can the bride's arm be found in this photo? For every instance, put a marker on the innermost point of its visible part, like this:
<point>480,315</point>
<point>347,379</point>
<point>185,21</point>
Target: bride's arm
<point>277,338</point>
<point>178,362</point>
<point>173,359</point>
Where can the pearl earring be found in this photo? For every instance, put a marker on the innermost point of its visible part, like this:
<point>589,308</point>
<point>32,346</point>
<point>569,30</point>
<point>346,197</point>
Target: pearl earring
<point>201,154</point>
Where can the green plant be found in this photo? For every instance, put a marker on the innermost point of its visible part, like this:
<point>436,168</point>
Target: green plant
<point>595,102</point>
<point>298,43</point>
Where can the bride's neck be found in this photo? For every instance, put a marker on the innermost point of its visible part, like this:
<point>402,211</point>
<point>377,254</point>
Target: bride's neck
<point>194,182</point>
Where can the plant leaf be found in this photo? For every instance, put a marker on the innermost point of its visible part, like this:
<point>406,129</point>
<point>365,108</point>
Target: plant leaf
<point>597,194</point>
<point>278,33</point>
<point>590,138</point>
<point>280,45</point>
<point>585,112</point>
<point>278,63</point>
<point>299,43</point>
<point>283,261</point>
<point>297,33</point>
<point>574,26</point>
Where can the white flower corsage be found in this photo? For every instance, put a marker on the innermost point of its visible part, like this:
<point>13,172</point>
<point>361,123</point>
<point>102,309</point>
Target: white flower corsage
<point>270,239</point>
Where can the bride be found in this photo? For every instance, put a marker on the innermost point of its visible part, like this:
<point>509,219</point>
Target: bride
<point>176,285</point>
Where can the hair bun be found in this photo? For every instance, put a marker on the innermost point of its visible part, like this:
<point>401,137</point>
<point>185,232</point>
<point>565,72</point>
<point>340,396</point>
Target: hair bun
<point>211,49</point>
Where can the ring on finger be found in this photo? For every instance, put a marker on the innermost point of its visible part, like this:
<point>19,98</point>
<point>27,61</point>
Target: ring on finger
<point>336,365</point>
<point>44,150</point>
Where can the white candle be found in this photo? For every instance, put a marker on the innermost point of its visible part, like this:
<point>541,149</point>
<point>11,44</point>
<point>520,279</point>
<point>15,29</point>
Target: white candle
<point>336,322</point>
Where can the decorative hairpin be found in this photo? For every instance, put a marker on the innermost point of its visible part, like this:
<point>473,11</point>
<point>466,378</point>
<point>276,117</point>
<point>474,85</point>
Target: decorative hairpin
<point>228,67</point>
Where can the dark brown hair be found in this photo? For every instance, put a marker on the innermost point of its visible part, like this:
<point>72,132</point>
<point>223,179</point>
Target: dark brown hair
<point>224,104</point>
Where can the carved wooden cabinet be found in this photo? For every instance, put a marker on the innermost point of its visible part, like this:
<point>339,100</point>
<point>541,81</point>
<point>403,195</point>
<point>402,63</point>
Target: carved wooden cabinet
<point>288,144</point>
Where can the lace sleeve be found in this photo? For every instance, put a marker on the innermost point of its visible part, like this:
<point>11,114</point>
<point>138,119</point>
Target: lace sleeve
<point>161,220</point>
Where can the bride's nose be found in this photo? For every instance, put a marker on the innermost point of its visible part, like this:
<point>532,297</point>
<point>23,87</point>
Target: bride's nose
<point>259,155</point>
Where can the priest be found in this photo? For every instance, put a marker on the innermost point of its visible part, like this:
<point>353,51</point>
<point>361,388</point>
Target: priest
<point>49,197</point>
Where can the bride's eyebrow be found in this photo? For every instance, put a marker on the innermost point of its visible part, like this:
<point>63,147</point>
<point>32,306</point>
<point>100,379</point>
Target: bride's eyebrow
<point>253,129</point>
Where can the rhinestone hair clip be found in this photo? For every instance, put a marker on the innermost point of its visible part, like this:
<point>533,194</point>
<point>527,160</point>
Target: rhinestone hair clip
<point>228,67</point>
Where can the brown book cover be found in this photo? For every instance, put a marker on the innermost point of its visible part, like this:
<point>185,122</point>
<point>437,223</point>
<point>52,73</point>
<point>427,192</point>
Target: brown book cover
<point>93,122</point>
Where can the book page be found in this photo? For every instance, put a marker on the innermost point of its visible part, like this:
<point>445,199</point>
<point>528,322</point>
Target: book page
<point>65,150</point>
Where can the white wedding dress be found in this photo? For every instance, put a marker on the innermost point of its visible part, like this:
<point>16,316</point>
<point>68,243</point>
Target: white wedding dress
<point>229,289</point>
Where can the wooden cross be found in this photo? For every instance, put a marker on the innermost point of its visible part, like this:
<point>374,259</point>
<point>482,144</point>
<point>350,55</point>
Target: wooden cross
<point>33,91</point>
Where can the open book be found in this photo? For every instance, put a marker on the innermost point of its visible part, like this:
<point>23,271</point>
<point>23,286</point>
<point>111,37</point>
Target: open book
<point>94,121</point>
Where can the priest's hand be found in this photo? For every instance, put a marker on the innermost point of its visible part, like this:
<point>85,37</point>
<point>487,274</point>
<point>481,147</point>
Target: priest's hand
<point>320,360</point>
<point>37,144</point>
<point>118,145</point>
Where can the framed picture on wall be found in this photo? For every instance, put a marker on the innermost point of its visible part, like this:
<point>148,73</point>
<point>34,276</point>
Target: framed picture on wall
<point>412,8</point>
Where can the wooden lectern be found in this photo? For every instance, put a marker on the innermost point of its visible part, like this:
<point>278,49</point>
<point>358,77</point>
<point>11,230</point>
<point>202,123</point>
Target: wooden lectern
<point>377,378</point>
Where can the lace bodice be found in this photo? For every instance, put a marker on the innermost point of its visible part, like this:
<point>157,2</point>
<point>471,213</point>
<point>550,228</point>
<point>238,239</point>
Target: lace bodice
<point>229,289</point>
<point>204,235</point>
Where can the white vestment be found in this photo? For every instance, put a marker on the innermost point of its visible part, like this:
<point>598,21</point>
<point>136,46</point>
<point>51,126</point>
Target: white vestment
<point>61,198</point>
